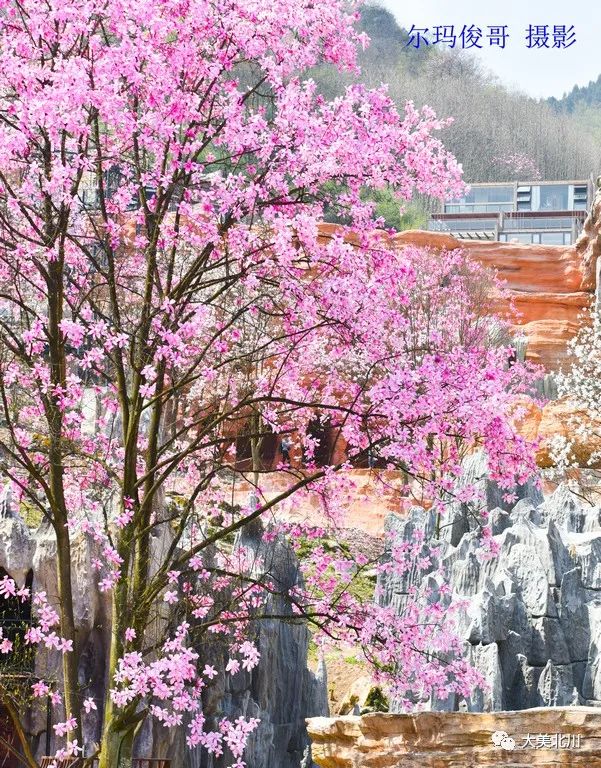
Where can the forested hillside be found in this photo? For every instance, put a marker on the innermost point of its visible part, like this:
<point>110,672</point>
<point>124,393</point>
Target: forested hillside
<point>583,104</point>
<point>579,97</point>
<point>491,124</point>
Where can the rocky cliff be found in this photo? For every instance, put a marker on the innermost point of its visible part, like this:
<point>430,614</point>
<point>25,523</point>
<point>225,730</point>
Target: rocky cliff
<point>281,692</point>
<point>549,286</point>
<point>550,290</point>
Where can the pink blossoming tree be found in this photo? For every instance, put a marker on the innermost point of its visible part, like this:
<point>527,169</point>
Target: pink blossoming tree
<point>517,167</point>
<point>164,168</point>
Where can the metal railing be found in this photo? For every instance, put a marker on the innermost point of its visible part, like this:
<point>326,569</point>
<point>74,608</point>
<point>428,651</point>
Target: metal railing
<point>538,223</point>
<point>464,208</point>
<point>461,225</point>
<point>508,223</point>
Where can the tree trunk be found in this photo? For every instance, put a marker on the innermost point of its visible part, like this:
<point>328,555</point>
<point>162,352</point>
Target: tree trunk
<point>68,630</point>
<point>116,748</point>
<point>119,724</point>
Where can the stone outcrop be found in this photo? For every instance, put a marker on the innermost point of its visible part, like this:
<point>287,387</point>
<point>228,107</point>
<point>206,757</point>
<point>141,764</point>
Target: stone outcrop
<point>588,245</point>
<point>281,692</point>
<point>16,546</point>
<point>546,738</point>
<point>549,291</point>
<point>550,287</point>
<point>530,616</point>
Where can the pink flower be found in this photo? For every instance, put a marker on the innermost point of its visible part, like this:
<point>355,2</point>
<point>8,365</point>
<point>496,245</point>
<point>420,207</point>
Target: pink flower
<point>40,689</point>
<point>199,299</point>
<point>61,729</point>
<point>8,588</point>
<point>55,698</point>
<point>232,666</point>
<point>73,332</point>
<point>6,645</point>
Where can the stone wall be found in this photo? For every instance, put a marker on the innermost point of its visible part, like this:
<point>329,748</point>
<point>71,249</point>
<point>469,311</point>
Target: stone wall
<point>460,740</point>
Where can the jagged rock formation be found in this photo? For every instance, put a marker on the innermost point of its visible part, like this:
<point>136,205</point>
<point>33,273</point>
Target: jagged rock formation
<point>460,740</point>
<point>532,619</point>
<point>588,245</point>
<point>280,691</point>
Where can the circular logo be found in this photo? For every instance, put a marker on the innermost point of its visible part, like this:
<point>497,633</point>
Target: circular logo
<point>503,739</point>
<point>497,737</point>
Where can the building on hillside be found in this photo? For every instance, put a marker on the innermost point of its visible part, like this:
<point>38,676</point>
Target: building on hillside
<point>540,212</point>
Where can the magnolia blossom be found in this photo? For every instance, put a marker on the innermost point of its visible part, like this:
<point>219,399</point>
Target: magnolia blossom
<point>580,384</point>
<point>6,645</point>
<point>40,688</point>
<point>63,728</point>
<point>173,305</point>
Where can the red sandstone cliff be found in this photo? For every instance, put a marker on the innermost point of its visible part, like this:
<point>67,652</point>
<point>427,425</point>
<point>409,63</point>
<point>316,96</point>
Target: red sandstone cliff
<point>551,286</point>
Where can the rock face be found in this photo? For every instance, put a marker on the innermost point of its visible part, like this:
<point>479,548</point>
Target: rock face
<point>30,558</point>
<point>549,286</point>
<point>550,289</point>
<point>547,738</point>
<point>544,424</point>
<point>532,615</point>
<point>281,691</point>
<point>16,547</point>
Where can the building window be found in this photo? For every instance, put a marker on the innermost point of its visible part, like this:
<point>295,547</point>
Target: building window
<point>483,200</point>
<point>524,198</point>
<point>552,238</point>
<point>554,197</point>
<point>580,197</point>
